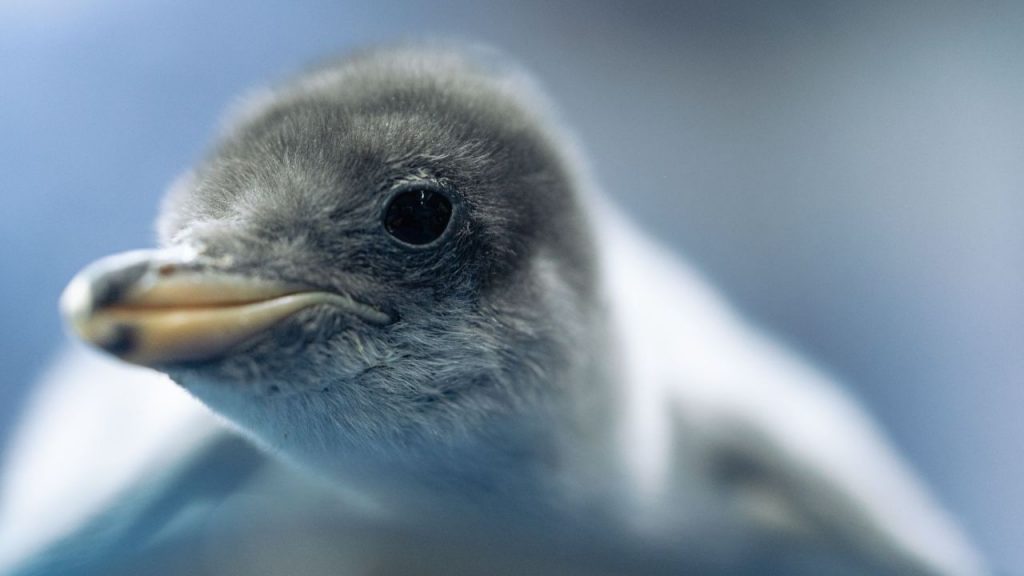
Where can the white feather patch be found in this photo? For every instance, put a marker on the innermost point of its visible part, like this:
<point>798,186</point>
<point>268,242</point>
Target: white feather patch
<point>92,427</point>
<point>688,353</point>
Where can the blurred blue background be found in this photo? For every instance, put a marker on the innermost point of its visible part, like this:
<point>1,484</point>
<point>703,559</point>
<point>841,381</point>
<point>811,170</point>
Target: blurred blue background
<point>850,174</point>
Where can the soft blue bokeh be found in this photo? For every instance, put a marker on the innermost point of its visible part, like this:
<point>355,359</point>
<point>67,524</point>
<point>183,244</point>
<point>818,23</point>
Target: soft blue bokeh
<point>852,177</point>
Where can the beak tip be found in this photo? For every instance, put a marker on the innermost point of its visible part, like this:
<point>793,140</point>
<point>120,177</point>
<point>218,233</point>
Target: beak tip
<point>77,306</point>
<point>76,302</point>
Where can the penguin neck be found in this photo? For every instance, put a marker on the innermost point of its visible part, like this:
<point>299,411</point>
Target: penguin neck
<point>560,456</point>
<point>559,450</point>
<point>543,473</point>
<point>553,456</point>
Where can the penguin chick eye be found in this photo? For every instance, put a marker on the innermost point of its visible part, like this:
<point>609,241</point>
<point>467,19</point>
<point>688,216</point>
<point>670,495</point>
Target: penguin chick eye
<point>418,215</point>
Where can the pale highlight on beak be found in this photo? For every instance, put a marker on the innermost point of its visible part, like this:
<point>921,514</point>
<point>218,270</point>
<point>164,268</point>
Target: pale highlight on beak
<point>160,307</point>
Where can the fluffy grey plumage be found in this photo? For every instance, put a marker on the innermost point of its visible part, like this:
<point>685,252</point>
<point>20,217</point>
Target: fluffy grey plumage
<point>496,326</point>
<point>485,383</point>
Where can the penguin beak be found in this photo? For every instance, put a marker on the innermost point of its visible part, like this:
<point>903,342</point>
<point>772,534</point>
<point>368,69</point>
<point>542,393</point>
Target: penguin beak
<point>159,307</point>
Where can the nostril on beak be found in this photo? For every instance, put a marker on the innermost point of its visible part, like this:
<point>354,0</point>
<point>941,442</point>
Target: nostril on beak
<point>112,287</point>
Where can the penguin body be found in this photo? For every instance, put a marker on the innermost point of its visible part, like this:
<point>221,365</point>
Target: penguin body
<point>393,275</point>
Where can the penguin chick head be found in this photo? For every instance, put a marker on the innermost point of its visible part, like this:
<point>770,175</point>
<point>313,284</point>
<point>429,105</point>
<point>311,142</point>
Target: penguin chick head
<point>386,251</point>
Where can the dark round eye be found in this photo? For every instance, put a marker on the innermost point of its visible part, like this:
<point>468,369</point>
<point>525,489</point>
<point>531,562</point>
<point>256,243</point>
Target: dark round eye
<point>418,215</point>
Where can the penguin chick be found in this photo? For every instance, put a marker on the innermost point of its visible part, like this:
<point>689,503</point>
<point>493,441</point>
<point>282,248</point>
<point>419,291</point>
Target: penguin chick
<point>393,271</point>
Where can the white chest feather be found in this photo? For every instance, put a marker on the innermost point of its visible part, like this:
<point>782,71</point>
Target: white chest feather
<point>92,428</point>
